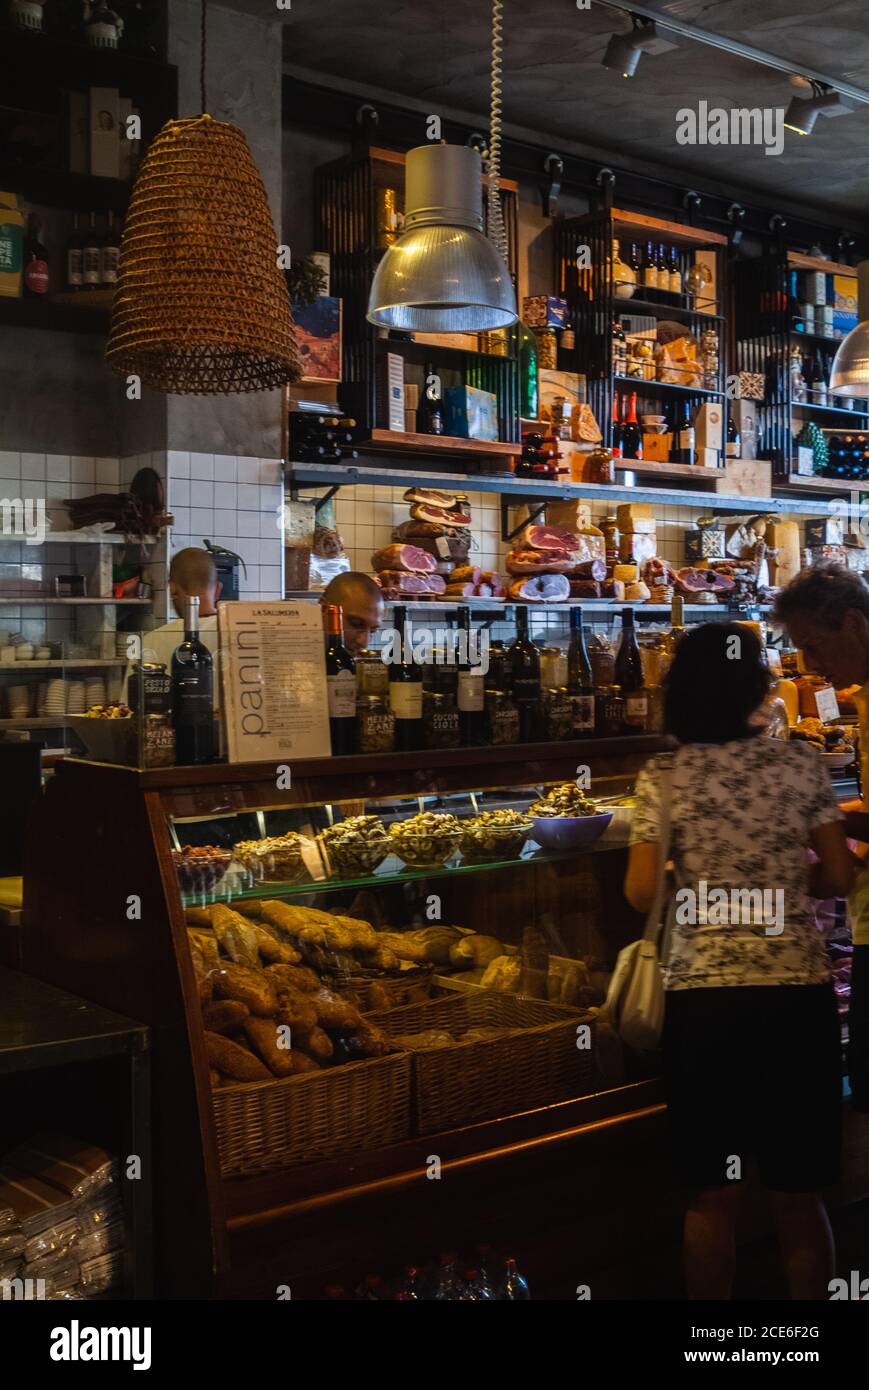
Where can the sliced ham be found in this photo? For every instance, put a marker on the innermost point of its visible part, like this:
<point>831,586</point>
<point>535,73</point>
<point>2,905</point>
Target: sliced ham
<point>691,580</point>
<point>466,574</point>
<point>439,516</point>
<point>526,561</point>
<point>441,545</point>
<point>435,583</point>
<point>657,571</point>
<point>541,588</point>
<point>430,494</point>
<point>589,569</point>
<point>404,583</point>
<point>483,591</point>
<point>404,557</point>
<point>549,538</point>
<point>460,591</point>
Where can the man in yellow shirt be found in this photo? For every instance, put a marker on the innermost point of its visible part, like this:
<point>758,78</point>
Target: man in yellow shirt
<point>826,613</point>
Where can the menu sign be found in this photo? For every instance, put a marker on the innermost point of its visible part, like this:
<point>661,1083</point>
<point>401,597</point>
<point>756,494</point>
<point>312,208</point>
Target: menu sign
<point>274,681</point>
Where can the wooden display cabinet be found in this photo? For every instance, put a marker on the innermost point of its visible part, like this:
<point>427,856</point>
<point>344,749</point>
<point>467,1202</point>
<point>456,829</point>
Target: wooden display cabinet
<point>104,918</point>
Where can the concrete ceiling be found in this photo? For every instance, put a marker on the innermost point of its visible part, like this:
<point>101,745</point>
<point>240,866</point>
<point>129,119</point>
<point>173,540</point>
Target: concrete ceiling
<point>437,52</point>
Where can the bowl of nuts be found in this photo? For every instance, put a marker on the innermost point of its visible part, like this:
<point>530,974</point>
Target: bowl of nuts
<point>355,847</point>
<point>565,818</point>
<point>276,859</point>
<point>494,835</point>
<point>109,734</point>
<point>199,868</point>
<point>425,841</point>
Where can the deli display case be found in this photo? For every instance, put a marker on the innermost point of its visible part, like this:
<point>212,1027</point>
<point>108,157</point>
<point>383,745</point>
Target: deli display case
<point>358,972</point>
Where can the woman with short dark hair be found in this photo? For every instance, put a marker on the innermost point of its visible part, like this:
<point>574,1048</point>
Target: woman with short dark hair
<point>751,1049</point>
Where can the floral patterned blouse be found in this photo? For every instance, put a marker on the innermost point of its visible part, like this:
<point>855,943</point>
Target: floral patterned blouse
<point>741,814</point>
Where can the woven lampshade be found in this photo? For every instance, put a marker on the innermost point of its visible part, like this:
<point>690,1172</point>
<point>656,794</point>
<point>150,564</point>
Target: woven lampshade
<point>201,306</point>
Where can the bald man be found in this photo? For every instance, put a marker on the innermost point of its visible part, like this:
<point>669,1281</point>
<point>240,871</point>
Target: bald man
<point>361,602</point>
<point>192,572</point>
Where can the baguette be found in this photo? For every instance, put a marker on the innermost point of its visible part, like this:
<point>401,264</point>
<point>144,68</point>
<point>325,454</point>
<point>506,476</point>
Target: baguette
<point>233,1060</point>
<point>251,987</point>
<point>317,1044</point>
<point>263,1035</point>
<point>299,977</point>
<point>224,1016</point>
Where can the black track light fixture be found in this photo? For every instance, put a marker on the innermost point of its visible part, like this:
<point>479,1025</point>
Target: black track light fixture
<point>624,51</point>
<point>803,112</point>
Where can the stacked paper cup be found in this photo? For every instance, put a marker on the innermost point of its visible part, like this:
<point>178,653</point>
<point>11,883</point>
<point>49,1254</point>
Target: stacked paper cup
<point>55,697</point>
<point>19,701</point>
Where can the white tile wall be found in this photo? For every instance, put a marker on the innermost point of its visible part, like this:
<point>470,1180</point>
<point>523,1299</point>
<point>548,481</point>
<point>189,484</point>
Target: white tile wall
<point>234,502</point>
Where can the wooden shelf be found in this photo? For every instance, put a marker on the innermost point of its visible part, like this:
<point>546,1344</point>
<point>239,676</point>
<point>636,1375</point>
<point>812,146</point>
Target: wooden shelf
<point>444,444</point>
<point>831,409</point>
<point>649,468</point>
<point>803,262</point>
<point>815,483</point>
<point>641,383</point>
<point>57,663</point>
<point>676,232</point>
<point>61,317</point>
<point>44,600</point>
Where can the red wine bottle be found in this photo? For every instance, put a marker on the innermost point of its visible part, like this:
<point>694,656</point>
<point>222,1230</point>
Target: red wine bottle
<point>192,692</point>
<point>340,684</point>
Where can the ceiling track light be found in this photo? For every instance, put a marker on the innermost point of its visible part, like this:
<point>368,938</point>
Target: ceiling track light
<point>802,112</point>
<point>624,51</point>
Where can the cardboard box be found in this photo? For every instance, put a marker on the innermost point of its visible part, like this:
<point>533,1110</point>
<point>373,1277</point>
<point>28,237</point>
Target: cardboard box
<point>805,461</point>
<point>544,311</point>
<point>78,127</point>
<point>829,531</point>
<point>395,391</point>
<point>105,146</point>
<point>11,246</point>
<point>470,413</point>
<point>746,478</point>
<point>706,301</point>
<point>706,544</point>
<point>745,416</point>
<point>707,458</point>
<point>709,427</point>
<point>751,386</point>
<point>656,447</point>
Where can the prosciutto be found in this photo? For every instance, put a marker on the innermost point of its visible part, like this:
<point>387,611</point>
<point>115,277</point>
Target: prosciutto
<point>697,581</point>
<point>541,588</point>
<point>525,561</point>
<point>408,558</point>
<point>549,538</point>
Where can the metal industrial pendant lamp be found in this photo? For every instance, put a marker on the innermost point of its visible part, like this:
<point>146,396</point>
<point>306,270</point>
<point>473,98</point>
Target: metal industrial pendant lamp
<point>201,306</point>
<point>443,275</point>
<point>850,372</point>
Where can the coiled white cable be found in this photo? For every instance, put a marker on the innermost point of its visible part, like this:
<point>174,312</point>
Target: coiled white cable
<point>497,230</point>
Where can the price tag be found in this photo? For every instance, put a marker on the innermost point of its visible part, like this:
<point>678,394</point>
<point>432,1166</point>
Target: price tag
<point>442,546</point>
<point>828,705</point>
<point>773,661</point>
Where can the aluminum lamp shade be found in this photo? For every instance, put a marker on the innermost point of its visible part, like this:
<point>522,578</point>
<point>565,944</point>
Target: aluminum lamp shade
<point>442,275</point>
<point>850,371</point>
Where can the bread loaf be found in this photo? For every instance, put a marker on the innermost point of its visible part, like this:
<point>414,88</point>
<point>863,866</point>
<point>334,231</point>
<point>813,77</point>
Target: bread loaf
<point>233,1060</point>
<point>251,987</point>
<point>225,1015</point>
<point>264,1036</point>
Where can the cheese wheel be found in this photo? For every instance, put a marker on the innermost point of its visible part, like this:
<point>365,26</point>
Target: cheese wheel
<point>628,574</point>
<point>637,593</point>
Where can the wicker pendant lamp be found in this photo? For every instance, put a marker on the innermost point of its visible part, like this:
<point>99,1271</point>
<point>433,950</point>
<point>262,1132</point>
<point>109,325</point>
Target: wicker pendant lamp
<point>201,306</point>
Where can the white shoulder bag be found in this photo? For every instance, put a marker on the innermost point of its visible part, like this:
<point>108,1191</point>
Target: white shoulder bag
<point>635,999</point>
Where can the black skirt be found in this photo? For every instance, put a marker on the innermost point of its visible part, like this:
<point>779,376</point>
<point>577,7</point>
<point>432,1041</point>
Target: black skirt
<point>754,1072</point>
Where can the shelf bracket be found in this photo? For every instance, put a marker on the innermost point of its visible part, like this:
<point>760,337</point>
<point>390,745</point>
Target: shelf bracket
<point>327,497</point>
<point>553,167</point>
<point>505,512</point>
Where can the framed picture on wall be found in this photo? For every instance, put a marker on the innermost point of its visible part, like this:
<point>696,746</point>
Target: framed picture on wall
<point>318,335</point>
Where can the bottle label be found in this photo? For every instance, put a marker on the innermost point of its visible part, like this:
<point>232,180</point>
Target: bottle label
<point>636,709</point>
<point>36,276</point>
<point>471,691</point>
<point>731,451</point>
<point>74,269</point>
<point>526,689</point>
<point>109,265</point>
<point>405,699</point>
<point>686,438</point>
<point>583,713</point>
<point>342,695</point>
<point>91,265</point>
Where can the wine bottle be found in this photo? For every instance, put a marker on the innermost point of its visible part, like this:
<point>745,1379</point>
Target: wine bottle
<point>616,447</point>
<point>110,251</point>
<point>732,446</point>
<point>193,692</point>
<point>91,256</point>
<point>821,377</point>
<point>650,271</point>
<point>432,407</point>
<point>528,376</point>
<point>580,680</point>
<point>674,275</point>
<point>663,269</point>
<point>523,662</point>
<point>36,278</point>
<point>74,268</point>
<point>632,439</point>
<point>677,628</point>
<point>471,687</point>
<point>636,266</point>
<point>629,675</point>
<point>405,689</point>
<point>620,349</point>
<point>340,685</point>
<point>686,435</point>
